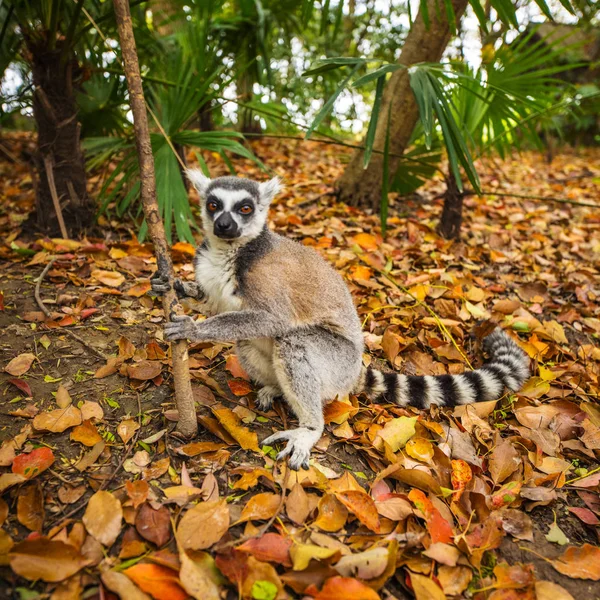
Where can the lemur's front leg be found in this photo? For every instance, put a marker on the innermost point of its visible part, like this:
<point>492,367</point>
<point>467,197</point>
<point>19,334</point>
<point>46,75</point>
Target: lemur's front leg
<point>184,289</point>
<point>226,327</point>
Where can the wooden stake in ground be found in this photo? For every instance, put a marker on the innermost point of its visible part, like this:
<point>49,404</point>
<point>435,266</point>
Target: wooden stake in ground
<point>187,425</point>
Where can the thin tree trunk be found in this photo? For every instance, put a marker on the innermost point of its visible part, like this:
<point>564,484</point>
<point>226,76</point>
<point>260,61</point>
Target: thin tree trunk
<point>245,92</point>
<point>58,159</point>
<point>187,425</point>
<point>451,220</point>
<point>362,187</point>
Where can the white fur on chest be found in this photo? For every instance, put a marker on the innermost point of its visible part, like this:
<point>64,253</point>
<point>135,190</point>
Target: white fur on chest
<point>215,272</point>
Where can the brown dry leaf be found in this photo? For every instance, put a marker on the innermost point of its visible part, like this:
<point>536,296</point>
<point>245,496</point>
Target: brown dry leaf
<point>137,491</point>
<point>144,370</point>
<point>89,458</point>
<point>547,590</point>
<point>103,517</point>
<point>260,507</point>
<point>20,364</point>
<point>126,429</point>
<point>45,559</point>
<point>246,438</point>
<point>91,410</point>
<point>579,563</point>
<point>68,590</point>
<point>126,348</point>
<point>57,420</point>
<point>30,507</point>
<point>504,460</point>
<point>86,433</point>
<point>297,505</point>
<point>3,511</point>
<point>454,580</point>
<point>154,525</point>
<point>199,576</point>
<point>69,494</point>
<point>257,571</point>
<point>109,278</point>
<point>63,398</point>
<point>203,525</point>
<point>121,585</point>
<point>364,565</point>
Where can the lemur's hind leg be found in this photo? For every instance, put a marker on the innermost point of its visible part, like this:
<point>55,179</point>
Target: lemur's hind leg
<point>312,365</point>
<point>257,359</point>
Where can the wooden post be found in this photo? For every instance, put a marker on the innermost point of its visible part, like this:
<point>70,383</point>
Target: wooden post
<point>187,425</point>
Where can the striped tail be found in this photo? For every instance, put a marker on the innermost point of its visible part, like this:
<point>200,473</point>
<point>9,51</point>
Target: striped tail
<point>508,367</point>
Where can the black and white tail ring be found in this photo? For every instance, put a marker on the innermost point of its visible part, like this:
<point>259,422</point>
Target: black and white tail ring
<point>508,367</point>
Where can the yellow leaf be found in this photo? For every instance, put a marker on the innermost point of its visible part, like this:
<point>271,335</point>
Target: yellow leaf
<point>396,432</point>
<point>302,554</point>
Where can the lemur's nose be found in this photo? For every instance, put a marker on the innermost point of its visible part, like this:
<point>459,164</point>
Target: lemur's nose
<point>224,226</point>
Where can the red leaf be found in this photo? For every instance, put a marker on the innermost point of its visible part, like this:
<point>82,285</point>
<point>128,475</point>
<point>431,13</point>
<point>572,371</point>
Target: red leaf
<point>32,464</point>
<point>240,387</point>
<point>22,385</point>
<point>439,529</point>
<point>271,547</point>
<point>586,515</point>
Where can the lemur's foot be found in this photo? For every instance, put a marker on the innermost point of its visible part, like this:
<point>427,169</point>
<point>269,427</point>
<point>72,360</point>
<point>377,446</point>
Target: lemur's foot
<point>159,284</point>
<point>181,327</point>
<point>266,396</point>
<point>299,444</point>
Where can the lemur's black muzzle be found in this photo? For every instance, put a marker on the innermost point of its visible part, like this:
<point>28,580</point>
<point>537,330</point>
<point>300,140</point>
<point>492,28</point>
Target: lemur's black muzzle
<point>225,227</point>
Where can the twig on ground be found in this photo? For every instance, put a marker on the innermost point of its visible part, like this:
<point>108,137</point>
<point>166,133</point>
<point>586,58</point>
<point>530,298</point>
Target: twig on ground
<point>55,199</point>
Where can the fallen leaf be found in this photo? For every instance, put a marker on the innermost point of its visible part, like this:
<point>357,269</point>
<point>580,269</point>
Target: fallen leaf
<point>137,491</point>
<point>63,398</point>
<point>144,370</point>
<point>247,439</point>
<point>126,429</point>
<point>362,506</point>
<point>121,585</point>
<point>439,529</point>
<point>199,576</point>
<point>579,563</point>
<point>547,590</point>
<point>21,385</point>
<point>103,517</point>
<point>203,525</point>
<point>364,565</point>
<point>504,460</point>
<point>270,547</point>
<point>110,278</point>
<point>86,434</point>
<point>57,420</point>
<point>332,514</point>
<point>557,535</point>
<point>45,559</point>
<point>91,410</point>
<point>302,554</point>
<point>20,364</point>
<point>30,507</point>
<point>154,525</point>
<point>260,507</point>
<point>425,588</point>
<point>348,589</point>
<point>297,506</point>
<point>232,364</point>
<point>160,582</point>
<point>239,387</point>
<point>396,432</point>
<point>32,464</point>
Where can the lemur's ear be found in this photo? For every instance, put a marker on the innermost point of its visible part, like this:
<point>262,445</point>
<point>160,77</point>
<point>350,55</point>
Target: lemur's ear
<point>199,180</point>
<point>269,189</point>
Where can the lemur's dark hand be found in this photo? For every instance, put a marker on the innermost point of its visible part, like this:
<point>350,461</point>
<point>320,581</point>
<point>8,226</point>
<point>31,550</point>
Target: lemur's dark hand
<point>180,328</point>
<point>159,284</point>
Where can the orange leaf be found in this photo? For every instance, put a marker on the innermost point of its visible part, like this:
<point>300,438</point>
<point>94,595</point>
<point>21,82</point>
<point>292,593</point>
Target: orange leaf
<point>240,387</point>
<point>109,278</point>
<point>363,506</point>
<point>461,475</point>
<point>366,241</point>
<point>160,582</point>
<point>232,364</point>
<point>139,289</point>
<point>86,434</point>
<point>579,563</point>
<point>260,507</point>
<point>439,529</point>
<point>20,364</point>
<point>247,439</point>
<point>346,588</point>
<point>32,464</point>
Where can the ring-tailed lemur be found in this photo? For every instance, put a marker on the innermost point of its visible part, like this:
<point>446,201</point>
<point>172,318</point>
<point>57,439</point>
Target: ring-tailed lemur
<point>297,331</point>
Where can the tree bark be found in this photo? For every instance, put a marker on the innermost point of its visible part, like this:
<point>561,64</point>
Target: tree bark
<point>245,92</point>
<point>362,187</point>
<point>59,160</point>
<point>187,425</point>
<point>451,220</point>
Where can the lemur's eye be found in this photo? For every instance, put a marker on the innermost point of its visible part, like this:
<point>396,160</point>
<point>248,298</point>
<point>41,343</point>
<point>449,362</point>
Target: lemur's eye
<point>246,209</point>
<point>212,206</point>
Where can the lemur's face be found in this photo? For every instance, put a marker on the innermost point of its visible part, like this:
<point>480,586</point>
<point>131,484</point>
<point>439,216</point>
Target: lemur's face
<point>234,208</point>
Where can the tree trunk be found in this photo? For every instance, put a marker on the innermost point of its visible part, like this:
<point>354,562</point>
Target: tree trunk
<point>362,187</point>
<point>58,145</point>
<point>187,425</point>
<point>451,219</point>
